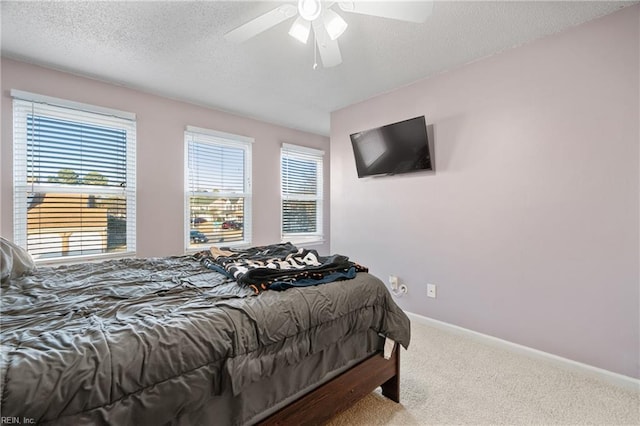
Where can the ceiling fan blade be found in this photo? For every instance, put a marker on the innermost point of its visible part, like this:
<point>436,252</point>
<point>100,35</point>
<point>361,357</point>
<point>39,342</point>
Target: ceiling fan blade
<point>261,23</point>
<point>411,11</point>
<point>329,49</point>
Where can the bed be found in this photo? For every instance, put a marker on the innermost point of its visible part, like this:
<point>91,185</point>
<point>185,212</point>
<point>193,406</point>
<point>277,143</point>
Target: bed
<point>172,341</point>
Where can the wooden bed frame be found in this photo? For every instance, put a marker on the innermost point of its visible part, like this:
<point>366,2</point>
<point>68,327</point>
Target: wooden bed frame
<point>343,391</point>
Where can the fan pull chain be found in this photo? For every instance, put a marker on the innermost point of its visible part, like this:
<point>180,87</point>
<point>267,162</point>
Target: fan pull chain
<point>315,51</point>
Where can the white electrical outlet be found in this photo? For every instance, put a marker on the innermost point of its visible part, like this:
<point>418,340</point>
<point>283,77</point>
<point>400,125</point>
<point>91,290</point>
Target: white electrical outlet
<point>393,282</point>
<point>431,290</point>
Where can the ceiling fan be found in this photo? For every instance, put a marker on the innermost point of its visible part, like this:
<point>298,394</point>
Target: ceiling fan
<point>326,23</point>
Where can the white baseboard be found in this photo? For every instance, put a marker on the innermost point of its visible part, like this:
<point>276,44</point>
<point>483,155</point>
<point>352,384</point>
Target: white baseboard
<point>615,379</point>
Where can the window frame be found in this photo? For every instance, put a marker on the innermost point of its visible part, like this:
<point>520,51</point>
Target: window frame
<point>25,104</point>
<point>221,139</point>
<point>307,154</point>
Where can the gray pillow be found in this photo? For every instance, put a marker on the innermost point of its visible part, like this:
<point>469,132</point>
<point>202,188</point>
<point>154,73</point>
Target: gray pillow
<point>14,260</point>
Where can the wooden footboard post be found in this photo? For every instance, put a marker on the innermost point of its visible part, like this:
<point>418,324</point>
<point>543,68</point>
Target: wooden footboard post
<point>391,388</point>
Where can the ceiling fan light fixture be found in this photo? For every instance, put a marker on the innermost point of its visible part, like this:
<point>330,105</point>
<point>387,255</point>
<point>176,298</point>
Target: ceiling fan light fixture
<point>309,9</point>
<point>300,29</point>
<point>334,24</point>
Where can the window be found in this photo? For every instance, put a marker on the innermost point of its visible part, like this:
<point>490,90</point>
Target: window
<point>218,188</point>
<point>301,170</point>
<point>74,178</point>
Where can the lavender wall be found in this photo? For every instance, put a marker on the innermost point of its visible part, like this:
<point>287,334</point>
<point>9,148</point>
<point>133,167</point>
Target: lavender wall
<point>160,154</point>
<point>529,227</point>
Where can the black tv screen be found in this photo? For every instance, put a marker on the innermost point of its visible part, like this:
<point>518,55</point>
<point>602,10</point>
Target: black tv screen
<point>396,148</point>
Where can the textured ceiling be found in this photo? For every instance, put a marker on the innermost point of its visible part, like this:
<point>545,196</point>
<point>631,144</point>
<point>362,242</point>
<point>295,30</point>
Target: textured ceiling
<point>177,49</point>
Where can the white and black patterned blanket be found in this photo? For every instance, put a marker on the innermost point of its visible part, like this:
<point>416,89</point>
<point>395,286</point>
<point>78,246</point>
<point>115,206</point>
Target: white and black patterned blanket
<point>278,266</point>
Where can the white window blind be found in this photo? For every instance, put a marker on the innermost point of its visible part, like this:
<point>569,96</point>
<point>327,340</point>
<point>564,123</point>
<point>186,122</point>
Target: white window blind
<point>301,178</point>
<point>74,179</point>
<point>218,188</point>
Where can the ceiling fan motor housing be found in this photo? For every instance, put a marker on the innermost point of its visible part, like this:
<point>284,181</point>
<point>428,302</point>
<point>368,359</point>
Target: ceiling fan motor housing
<point>309,9</point>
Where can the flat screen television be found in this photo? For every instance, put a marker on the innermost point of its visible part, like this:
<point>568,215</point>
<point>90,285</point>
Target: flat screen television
<point>396,148</point>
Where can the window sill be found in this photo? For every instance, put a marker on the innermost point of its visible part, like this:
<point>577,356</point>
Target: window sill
<point>207,246</point>
<point>82,259</point>
<point>304,243</point>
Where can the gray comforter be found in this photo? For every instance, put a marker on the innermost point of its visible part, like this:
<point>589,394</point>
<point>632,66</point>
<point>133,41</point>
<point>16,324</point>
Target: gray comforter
<point>135,341</point>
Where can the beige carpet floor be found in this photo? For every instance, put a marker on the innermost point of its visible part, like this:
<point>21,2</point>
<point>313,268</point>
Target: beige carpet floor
<point>451,379</point>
